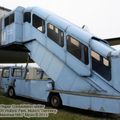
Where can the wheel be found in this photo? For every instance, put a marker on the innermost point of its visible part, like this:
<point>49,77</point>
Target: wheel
<point>55,100</point>
<point>11,92</point>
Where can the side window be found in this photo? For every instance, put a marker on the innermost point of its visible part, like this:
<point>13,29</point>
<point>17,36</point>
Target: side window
<point>77,49</point>
<point>9,20</point>
<point>17,72</point>
<point>101,65</point>
<point>95,55</point>
<point>38,23</point>
<point>106,62</point>
<point>27,17</point>
<point>5,73</point>
<point>55,34</point>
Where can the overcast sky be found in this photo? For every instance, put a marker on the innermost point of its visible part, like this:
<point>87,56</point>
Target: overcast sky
<point>101,16</point>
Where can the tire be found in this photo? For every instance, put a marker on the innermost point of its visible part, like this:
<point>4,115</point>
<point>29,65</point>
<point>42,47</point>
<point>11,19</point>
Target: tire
<point>11,92</point>
<point>55,100</point>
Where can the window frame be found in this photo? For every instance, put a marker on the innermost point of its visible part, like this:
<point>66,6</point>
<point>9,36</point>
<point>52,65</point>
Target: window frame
<point>101,61</point>
<point>4,73</point>
<point>85,58</point>
<point>14,70</point>
<point>27,19</point>
<point>42,23</point>
<point>9,20</point>
<point>93,54</point>
<point>55,31</point>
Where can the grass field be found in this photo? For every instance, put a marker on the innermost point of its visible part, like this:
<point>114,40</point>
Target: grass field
<point>65,113</point>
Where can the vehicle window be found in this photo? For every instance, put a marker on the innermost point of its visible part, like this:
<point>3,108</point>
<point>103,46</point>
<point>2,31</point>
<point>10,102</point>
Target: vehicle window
<point>36,74</point>
<point>106,62</point>
<point>38,23</point>
<point>101,65</point>
<point>17,72</point>
<point>27,17</point>
<point>5,73</point>
<point>9,20</point>
<point>95,55</point>
<point>55,34</point>
<point>77,49</point>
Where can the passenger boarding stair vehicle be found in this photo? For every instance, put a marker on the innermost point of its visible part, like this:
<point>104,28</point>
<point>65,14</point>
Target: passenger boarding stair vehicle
<point>84,69</point>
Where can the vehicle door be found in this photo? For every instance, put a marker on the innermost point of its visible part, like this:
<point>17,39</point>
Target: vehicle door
<point>21,85</point>
<point>5,77</point>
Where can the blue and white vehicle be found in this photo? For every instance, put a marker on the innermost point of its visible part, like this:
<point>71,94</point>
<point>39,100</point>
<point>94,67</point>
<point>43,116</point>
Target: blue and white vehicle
<point>84,68</point>
<point>15,81</point>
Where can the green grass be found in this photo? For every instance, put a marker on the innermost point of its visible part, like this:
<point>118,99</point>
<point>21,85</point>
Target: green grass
<point>64,113</point>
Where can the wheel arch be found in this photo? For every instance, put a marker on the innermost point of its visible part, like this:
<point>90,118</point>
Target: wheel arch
<point>56,94</point>
<point>11,87</point>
